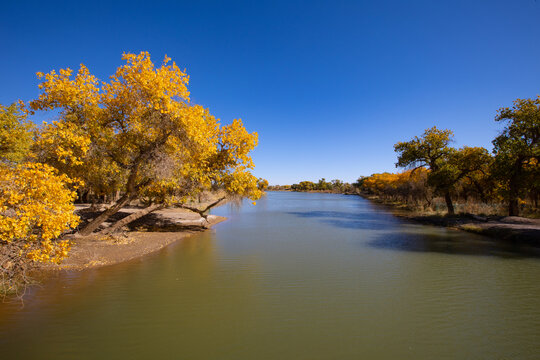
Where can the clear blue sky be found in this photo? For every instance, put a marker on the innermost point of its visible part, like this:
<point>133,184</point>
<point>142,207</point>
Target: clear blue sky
<point>329,86</point>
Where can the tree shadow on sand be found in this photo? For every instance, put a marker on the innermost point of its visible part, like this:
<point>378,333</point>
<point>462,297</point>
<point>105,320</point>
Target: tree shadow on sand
<point>151,222</point>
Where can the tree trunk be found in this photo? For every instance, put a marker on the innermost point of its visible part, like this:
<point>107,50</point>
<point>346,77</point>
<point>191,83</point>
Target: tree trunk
<point>513,187</point>
<point>428,200</point>
<point>131,192</point>
<point>513,209</point>
<point>147,210</point>
<point>130,218</point>
<point>94,224</point>
<point>449,204</point>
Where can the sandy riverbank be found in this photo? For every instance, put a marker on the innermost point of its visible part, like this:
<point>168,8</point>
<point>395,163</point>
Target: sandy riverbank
<point>145,236</point>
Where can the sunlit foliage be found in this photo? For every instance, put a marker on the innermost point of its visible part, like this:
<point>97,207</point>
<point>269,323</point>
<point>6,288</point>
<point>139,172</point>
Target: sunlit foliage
<point>407,186</point>
<point>36,208</point>
<point>16,136</point>
<point>138,134</point>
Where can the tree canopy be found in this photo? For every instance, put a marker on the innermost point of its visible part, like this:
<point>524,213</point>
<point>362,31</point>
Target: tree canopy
<point>517,150</point>
<point>139,134</point>
<point>446,165</point>
<point>16,136</point>
<point>431,150</point>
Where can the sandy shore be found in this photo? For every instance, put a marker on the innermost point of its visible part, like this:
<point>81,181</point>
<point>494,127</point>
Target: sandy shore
<point>145,236</point>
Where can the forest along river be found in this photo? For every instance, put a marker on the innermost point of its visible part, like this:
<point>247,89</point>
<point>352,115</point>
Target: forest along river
<point>298,276</point>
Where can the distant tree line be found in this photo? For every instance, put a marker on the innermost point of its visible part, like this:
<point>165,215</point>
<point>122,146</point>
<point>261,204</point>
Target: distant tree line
<point>334,186</point>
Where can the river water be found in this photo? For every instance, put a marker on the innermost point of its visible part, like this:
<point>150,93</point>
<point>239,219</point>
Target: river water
<point>298,276</point>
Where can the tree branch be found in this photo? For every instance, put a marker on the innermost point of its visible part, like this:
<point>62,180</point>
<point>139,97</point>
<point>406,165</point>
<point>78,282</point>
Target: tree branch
<point>201,212</point>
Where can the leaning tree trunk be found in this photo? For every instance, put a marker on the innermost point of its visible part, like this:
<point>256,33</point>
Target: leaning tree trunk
<point>147,210</point>
<point>94,224</point>
<point>131,191</point>
<point>130,218</point>
<point>449,203</point>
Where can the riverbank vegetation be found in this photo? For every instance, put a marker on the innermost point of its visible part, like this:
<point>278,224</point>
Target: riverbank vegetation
<point>136,139</point>
<point>505,181</point>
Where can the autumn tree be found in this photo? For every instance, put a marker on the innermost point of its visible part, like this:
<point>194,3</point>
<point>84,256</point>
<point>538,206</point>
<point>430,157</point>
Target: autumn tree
<point>36,208</point>
<point>304,186</point>
<point>468,162</point>
<point>472,165</point>
<point>337,185</point>
<point>517,151</point>
<point>431,150</point>
<point>262,184</point>
<point>16,136</point>
<point>323,185</point>
<point>139,134</point>
<point>36,204</point>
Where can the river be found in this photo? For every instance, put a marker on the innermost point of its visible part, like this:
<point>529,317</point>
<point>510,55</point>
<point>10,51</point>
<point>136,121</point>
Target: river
<point>298,276</point>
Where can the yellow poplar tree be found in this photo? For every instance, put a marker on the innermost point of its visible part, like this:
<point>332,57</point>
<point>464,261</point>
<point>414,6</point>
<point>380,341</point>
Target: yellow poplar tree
<point>36,208</point>
<point>139,133</point>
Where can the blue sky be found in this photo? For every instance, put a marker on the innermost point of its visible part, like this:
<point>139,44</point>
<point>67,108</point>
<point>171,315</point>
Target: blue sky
<point>329,86</point>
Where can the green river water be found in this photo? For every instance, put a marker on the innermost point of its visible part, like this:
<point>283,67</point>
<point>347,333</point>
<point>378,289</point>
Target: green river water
<point>298,276</point>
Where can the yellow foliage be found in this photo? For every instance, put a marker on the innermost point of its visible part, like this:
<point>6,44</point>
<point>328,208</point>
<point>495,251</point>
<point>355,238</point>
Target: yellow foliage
<point>65,141</point>
<point>36,207</point>
<point>15,133</point>
<point>139,133</point>
<point>387,182</point>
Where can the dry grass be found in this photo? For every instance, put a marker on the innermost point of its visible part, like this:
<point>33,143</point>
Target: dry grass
<point>438,207</point>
